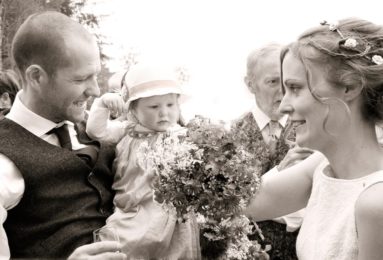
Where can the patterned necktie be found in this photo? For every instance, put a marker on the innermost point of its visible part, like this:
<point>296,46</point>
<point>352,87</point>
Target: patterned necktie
<point>273,129</point>
<point>62,134</point>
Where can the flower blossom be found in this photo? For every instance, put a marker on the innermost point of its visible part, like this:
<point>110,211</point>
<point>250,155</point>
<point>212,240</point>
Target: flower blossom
<point>333,26</point>
<point>350,43</point>
<point>377,59</point>
<point>210,173</point>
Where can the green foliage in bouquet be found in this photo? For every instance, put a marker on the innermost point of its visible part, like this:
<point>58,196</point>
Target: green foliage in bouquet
<point>206,171</point>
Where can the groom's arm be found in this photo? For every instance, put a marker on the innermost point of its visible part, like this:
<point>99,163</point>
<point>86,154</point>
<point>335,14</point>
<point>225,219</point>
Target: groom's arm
<point>11,191</point>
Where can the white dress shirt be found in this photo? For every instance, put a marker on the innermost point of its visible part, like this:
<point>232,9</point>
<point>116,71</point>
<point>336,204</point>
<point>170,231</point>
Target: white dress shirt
<point>263,121</point>
<point>11,182</point>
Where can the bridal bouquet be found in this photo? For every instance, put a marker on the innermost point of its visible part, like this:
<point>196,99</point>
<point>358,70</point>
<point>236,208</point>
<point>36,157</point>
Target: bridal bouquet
<point>205,171</point>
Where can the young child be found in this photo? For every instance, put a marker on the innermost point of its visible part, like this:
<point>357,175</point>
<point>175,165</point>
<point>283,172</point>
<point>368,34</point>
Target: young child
<point>145,229</point>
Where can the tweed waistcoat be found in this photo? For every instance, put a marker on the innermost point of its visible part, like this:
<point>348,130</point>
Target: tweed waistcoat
<point>254,139</point>
<point>64,199</point>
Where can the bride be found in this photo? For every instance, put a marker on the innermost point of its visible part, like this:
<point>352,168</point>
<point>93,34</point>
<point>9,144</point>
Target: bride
<point>333,83</point>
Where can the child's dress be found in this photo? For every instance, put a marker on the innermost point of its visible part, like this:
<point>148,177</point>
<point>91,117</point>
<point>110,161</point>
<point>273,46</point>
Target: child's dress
<point>146,230</point>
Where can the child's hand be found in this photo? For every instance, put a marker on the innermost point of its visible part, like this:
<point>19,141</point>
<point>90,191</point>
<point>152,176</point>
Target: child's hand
<point>114,103</point>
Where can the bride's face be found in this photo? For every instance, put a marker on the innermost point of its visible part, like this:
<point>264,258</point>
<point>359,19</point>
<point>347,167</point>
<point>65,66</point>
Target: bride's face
<point>307,113</point>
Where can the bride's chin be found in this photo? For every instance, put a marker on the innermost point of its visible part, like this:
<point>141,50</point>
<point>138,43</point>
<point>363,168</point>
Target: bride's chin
<point>301,140</point>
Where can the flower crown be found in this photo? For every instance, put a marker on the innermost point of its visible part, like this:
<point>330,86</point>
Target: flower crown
<point>351,46</point>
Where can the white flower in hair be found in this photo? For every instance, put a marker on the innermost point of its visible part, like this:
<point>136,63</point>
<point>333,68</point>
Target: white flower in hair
<point>333,26</point>
<point>350,43</point>
<point>377,59</point>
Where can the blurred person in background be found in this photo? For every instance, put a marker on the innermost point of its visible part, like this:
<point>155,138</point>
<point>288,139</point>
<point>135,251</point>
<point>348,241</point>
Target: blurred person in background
<point>9,86</point>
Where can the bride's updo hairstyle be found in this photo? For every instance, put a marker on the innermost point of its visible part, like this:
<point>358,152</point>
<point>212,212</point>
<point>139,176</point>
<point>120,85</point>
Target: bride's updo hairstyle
<point>351,53</point>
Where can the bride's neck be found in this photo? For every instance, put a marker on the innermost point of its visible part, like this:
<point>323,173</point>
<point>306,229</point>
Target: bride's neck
<point>355,156</point>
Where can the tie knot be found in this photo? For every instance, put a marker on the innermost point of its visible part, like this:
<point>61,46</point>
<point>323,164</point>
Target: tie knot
<point>62,133</point>
<point>274,124</point>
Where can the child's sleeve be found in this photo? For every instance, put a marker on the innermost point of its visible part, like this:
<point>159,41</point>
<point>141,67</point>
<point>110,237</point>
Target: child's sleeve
<point>99,126</point>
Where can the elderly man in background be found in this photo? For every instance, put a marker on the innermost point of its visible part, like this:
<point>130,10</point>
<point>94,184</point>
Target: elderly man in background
<point>267,129</point>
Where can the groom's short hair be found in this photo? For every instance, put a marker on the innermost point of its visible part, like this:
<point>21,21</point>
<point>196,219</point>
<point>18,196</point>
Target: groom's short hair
<point>43,40</point>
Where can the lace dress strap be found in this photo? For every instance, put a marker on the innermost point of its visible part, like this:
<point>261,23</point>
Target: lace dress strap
<point>372,179</point>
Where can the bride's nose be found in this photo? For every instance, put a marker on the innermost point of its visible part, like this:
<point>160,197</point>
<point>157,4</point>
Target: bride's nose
<point>285,107</point>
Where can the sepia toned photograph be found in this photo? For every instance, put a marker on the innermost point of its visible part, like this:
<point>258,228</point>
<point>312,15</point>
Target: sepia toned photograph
<point>179,129</point>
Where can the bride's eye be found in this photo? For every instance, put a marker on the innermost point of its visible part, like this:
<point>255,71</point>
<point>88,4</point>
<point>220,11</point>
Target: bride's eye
<point>292,88</point>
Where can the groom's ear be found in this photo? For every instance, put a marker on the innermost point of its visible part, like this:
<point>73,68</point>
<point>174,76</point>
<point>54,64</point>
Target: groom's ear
<point>35,76</point>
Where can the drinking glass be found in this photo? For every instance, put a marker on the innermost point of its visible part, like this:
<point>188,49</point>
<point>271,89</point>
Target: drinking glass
<point>105,234</point>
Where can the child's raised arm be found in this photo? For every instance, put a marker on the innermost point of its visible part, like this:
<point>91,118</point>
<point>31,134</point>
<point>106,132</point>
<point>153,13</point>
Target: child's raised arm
<point>113,102</point>
<point>99,126</point>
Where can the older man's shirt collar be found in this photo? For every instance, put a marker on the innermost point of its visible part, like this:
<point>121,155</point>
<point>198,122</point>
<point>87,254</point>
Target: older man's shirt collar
<point>263,120</point>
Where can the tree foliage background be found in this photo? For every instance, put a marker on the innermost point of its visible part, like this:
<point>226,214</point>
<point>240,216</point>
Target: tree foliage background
<point>14,12</point>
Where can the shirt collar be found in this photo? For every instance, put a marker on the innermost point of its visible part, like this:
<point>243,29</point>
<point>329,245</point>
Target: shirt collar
<point>31,121</point>
<point>262,119</point>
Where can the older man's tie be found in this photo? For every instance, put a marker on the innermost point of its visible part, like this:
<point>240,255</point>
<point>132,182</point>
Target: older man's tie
<point>273,138</point>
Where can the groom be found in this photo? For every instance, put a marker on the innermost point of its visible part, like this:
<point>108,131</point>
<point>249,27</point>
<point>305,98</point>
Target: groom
<point>55,183</point>
<point>266,132</point>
